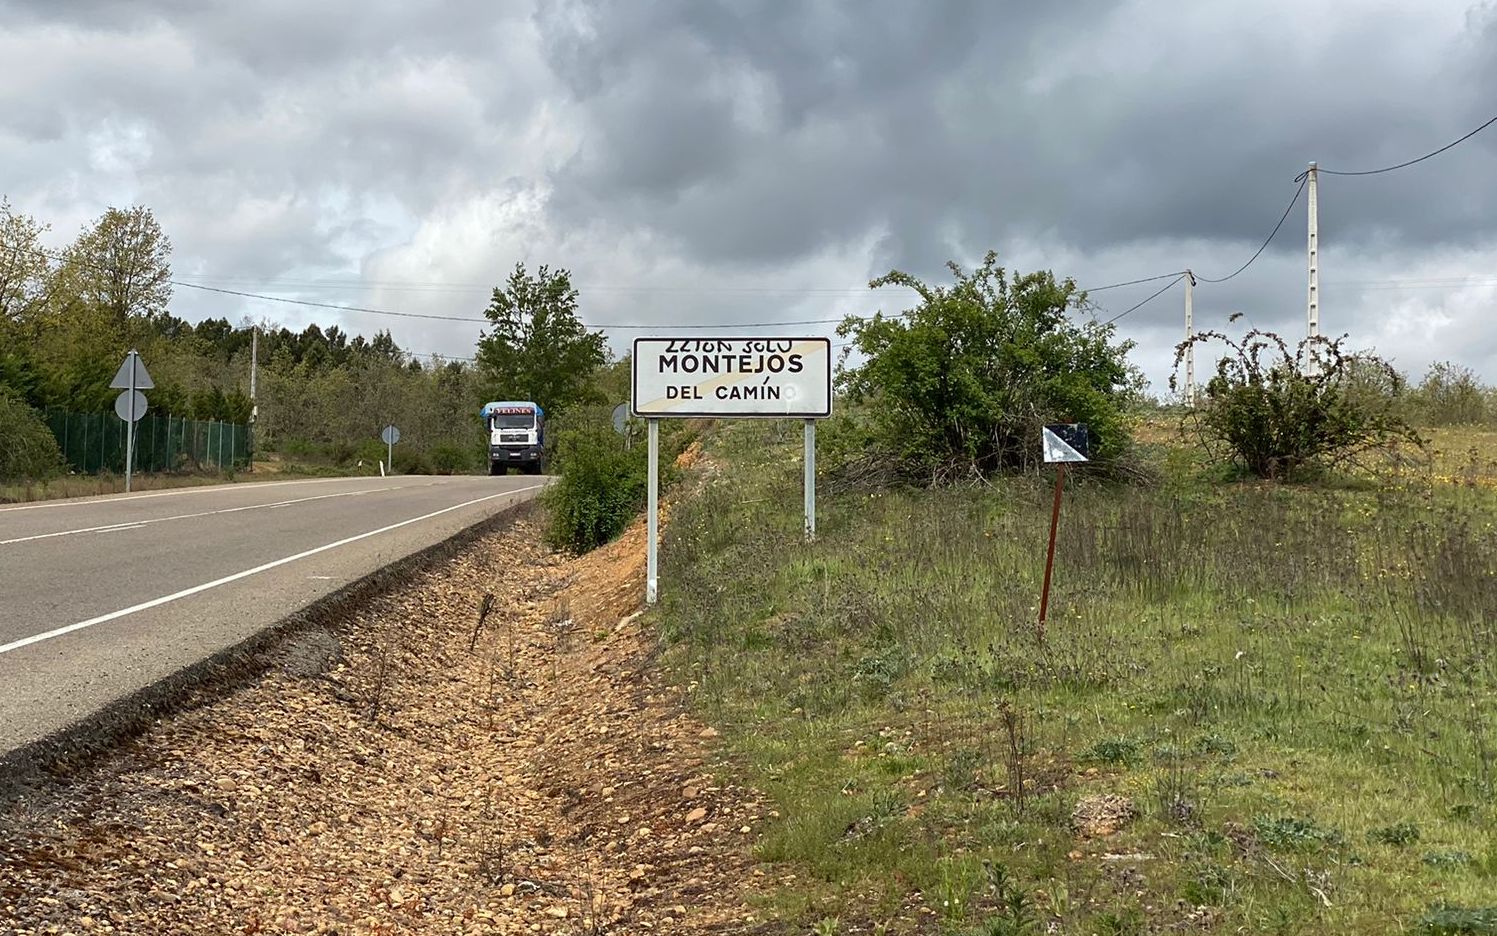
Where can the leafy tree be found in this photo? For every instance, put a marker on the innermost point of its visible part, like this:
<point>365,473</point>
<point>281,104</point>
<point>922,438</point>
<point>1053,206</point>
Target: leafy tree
<point>1275,411</point>
<point>962,383</point>
<point>121,265</point>
<point>1451,395</point>
<point>537,348</point>
<point>23,264</point>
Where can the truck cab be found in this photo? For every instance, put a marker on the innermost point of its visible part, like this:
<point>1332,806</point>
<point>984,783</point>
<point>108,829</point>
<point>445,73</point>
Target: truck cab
<point>516,436</point>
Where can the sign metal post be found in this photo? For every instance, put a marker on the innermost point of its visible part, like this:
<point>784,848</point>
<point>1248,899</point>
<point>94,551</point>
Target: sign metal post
<point>652,523</point>
<point>1063,445</point>
<point>131,405</point>
<point>390,436</point>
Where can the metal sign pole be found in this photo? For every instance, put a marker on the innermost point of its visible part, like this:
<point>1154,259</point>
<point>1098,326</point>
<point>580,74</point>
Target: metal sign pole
<point>810,483</point>
<point>652,523</point>
<point>1060,480</point>
<point>130,424</point>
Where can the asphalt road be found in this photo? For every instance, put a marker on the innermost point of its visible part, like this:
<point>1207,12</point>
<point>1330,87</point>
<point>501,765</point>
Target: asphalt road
<point>101,597</point>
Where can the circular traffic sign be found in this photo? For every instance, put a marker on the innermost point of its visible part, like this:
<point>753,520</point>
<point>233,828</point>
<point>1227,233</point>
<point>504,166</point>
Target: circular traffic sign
<point>620,418</point>
<point>390,436</point>
<point>122,405</point>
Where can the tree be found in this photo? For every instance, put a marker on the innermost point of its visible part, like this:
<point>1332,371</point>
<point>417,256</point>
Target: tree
<point>23,264</point>
<point>121,265</point>
<point>537,348</point>
<point>1273,411</point>
<point>963,382</point>
<point>1451,395</point>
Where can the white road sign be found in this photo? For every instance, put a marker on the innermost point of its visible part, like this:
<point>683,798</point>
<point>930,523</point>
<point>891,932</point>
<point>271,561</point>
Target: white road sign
<point>124,409</point>
<point>132,375</point>
<point>390,435</point>
<point>1064,444</point>
<point>765,377</point>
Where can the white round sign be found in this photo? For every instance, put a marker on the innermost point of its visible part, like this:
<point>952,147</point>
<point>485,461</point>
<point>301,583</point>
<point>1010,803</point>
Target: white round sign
<point>122,406</point>
<point>390,436</point>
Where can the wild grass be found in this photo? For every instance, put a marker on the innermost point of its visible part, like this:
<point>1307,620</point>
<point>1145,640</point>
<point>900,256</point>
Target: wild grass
<point>1296,688</point>
<point>21,492</point>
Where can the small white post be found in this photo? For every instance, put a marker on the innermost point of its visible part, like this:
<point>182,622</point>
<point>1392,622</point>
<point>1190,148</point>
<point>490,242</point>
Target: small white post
<point>1313,249</point>
<point>810,484</point>
<point>1190,332</point>
<point>652,522</point>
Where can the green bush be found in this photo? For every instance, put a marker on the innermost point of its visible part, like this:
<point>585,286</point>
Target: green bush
<point>1450,395</point>
<point>600,487</point>
<point>411,461</point>
<point>1273,411</point>
<point>449,458</point>
<point>962,384</point>
<point>601,482</point>
<point>28,450</point>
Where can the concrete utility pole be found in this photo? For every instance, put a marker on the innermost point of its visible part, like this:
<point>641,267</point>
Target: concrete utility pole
<point>254,368</point>
<point>1190,332</point>
<point>1313,248</point>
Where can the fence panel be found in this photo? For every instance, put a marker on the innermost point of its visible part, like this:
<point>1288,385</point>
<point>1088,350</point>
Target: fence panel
<point>95,442</point>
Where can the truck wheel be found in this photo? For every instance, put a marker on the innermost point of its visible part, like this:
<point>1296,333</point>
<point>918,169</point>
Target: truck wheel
<point>496,469</point>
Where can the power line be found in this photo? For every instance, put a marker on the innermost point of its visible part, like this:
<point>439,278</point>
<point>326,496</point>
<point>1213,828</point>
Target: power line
<point>1271,235</point>
<point>1151,298</point>
<point>1403,165</point>
<point>621,326</point>
<point>1147,279</point>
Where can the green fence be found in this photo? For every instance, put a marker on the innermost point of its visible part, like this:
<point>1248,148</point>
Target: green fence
<point>95,442</point>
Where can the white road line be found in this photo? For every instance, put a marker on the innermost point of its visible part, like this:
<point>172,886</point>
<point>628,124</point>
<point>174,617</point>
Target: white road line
<point>206,586</point>
<point>137,524</point>
<point>200,489</point>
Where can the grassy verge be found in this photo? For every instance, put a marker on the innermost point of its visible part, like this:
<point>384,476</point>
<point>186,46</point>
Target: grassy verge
<point>1256,709</point>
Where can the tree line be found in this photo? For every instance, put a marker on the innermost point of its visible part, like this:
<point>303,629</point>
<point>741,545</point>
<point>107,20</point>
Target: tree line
<point>68,317</point>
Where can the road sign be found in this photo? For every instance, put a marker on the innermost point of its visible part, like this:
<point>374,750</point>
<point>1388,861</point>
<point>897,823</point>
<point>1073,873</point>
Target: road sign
<point>621,418</point>
<point>127,412</point>
<point>390,435</point>
<point>742,377</point>
<point>132,368</point>
<point>1066,443</point>
<point>737,378</point>
<point>131,405</point>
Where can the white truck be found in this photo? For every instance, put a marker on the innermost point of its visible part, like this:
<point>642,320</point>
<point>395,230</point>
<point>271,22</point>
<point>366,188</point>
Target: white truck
<point>517,436</point>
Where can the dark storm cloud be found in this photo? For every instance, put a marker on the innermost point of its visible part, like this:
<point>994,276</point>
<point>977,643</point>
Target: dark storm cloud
<point>988,121</point>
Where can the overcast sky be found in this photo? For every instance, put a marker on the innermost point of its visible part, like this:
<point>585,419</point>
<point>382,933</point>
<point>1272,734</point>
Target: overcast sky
<point>760,160</point>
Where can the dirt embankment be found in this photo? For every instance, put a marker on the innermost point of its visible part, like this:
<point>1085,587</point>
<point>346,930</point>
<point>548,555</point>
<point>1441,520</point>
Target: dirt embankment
<point>412,772</point>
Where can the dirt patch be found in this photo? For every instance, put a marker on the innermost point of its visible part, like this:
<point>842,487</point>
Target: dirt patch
<point>1101,815</point>
<point>389,779</point>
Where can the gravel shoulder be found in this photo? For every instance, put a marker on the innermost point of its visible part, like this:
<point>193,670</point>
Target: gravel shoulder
<point>406,769</point>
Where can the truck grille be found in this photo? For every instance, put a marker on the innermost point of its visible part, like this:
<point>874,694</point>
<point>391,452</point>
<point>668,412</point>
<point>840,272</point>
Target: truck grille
<point>513,437</point>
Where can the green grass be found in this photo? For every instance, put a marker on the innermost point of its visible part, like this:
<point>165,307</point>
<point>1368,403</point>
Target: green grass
<point>1296,688</point>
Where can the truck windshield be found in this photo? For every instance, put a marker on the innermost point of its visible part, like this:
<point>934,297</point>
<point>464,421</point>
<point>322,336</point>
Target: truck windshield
<point>514,420</point>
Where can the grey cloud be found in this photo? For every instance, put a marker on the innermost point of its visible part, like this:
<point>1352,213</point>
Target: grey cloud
<point>773,143</point>
<point>923,122</point>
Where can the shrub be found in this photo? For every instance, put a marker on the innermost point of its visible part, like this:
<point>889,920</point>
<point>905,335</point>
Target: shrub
<point>1451,395</point>
<point>961,384</point>
<point>600,487</point>
<point>411,462</point>
<point>449,458</point>
<point>1272,411</point>
<point>28,450</point>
